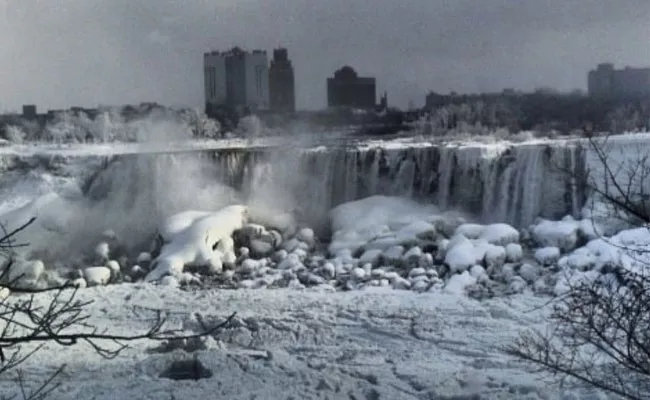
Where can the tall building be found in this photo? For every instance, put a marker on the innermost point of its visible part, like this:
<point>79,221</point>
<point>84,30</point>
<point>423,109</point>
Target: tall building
<point>237,79</point>
<point>605,81</point>
<point>346,89</point>
<point>282,84</point>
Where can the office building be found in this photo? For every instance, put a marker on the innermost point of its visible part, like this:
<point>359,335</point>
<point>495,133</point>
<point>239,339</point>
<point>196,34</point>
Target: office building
<point>237,79</point>
<point>347,89</point>
<point>606,81</point>
<point>282,90</point>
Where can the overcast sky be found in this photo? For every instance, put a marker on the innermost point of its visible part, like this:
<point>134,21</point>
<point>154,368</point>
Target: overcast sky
<point>60,53</point>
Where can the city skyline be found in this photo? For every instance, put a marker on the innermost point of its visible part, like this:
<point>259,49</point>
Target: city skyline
<point>150,51</point>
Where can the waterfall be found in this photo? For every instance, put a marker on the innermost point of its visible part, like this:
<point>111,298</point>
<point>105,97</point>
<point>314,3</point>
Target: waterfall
<point>495,183</point>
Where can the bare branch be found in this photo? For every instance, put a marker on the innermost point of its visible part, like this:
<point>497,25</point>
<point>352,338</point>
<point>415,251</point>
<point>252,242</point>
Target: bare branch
<point>600,332</point>
<point>62,319</point>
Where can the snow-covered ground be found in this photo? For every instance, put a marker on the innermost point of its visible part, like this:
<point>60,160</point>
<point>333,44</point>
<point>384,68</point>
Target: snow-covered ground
<point>286,344</point>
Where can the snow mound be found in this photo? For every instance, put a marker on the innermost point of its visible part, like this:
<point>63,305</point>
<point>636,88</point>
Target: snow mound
<point>381,220</point>
<point>195,238</point>
<point>498,234</point>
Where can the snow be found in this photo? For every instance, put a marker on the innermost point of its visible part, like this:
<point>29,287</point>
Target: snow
<point>461,254</point>
<point>514,252</point>
<point>500,234</point>
<point>377,343</point>
<point>561,234</point>
<point>377,222</point>
<point>192,237</point>
<point>97,275</point>
<point>547,255</point>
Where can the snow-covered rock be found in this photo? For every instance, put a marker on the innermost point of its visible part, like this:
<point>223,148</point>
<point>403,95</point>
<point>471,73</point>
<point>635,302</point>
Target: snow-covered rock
<point>499,234</point>
<point>143,257</point>
<point>306,235</point>
<point>547,255</point>
<point>393,255</point>
<point>581,259</point>
<point>529,272</point>
<point>495,256</point>
<point>459,282</point>
<point>460,254</point>
<point>514,252</point>
<point>470,231</point>
<point>114,266</point>
<point>371,256</point>
<point>191,240</point>
<point>23,271</point>
<point>97,275</point>
<point>560,234</point>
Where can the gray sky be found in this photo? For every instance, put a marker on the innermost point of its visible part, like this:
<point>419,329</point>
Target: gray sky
<point>60,53</point>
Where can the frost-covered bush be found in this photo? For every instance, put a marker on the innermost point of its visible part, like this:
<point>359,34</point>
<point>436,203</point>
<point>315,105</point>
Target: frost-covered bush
<point>15,134</point>
<point>143,123</point>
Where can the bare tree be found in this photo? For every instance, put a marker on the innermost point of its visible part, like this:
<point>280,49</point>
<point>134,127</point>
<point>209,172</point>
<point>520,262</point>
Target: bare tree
<point>27,323</point>
<point>600,328</point>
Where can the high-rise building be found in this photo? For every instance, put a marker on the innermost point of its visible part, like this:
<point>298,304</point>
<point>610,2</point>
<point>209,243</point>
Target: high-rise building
<point>236,79</point>
<point>346,89</point>
<point>282,82</point>
<point>605,81</point>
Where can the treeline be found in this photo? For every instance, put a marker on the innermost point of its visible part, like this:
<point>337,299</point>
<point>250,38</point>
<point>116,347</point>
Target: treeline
<point>144,122</point>
<point>541,111</point>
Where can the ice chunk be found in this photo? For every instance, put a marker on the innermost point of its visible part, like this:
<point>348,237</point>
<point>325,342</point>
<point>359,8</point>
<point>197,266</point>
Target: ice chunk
<point>470,231</point>
<point>514,252</point>
<point>499,234</point>
<point>195,243</point>
<point>560,234</point>
<point>495,256</point>
<point>461,254</point>
<point>529,272</point>
<point>547,255</point>
<point>457,283</point>
<point>97,275</point>
<point>371,256</point>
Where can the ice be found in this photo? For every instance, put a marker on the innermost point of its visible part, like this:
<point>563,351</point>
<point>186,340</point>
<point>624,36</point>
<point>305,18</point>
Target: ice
<point>560,234</point>
<point>470,231</point>
<point>529,272</point>
<point>459,282</point>
<point>514,252</point>
<point>97,275</point>
<point>461,254</point>
<point>499,234</point>
<point>358,222</point>
<point>192,239</point>
<point>582,259</point>
<point>547,255</point>
<point>391,338</point>
<point>495,256</point>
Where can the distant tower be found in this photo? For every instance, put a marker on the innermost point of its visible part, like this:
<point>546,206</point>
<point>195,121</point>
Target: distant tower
<point>237,79</point>
<point>29,111</point>
<point>383,101</point>
<point>606,81</point>
<point>282,84</point>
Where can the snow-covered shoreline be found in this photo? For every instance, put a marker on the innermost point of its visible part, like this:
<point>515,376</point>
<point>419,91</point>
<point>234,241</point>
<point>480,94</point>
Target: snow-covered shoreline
<point>305,141</point>
<point>307,345</point>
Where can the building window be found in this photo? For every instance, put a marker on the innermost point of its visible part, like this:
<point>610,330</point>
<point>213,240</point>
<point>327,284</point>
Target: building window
<point>214,81</point>
<point>259,70</point>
